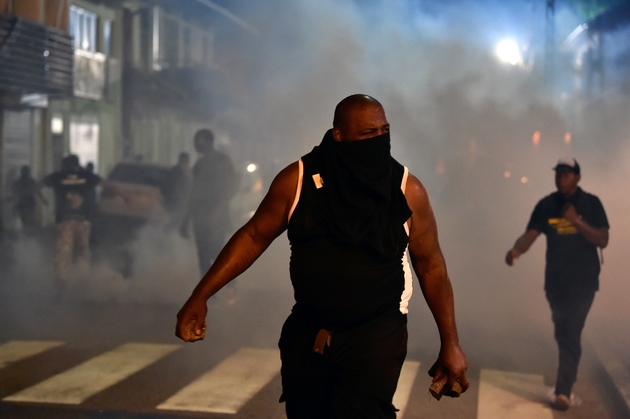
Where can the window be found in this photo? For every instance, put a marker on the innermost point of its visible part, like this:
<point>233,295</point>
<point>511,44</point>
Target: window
<point>170,39</point>
<point>84,134</point>
<point>83,29</point>
<point>107,37</point>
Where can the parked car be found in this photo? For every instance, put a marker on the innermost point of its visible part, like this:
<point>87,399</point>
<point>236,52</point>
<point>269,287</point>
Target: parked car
<point>119,220</point>
<point>142,184</point>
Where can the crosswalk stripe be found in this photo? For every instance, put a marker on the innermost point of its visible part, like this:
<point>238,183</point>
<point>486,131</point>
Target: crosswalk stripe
<point>616,370</point>
<point>85,380</point>
<point>17,350</point>
<point>228,386</point>
<point>511,395</point>
<point>405,383</point>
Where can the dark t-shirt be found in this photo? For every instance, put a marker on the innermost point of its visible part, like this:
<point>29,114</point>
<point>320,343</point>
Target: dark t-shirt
<point>176,189</point>
<point>24,190</point>
<point>72,189</point>
<point>572,262</point>
<point>214,183</point>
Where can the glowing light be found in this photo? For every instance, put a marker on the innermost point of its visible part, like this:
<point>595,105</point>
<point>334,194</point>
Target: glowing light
<point>567,138</point>
<point>509,52</point>
<point>536,138</point>
<point>524,180</point>
<point>251,167</point>
<point>507,174</point>
<point>56,125</point>
<point>440,168</point>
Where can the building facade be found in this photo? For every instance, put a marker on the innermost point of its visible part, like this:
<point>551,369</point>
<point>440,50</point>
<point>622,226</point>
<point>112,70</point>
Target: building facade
<point>106,80</point>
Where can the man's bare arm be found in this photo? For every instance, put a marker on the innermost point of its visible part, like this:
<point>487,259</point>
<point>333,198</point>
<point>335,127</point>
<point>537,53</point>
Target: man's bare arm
<point>522,245</point>
<point>430,267</point>
<point>245,246</point>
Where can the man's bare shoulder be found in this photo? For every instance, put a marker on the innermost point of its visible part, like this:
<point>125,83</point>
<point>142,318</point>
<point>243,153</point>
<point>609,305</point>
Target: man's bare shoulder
<point>271,217</point>
<point>416,193</point>
<point>283,188</point>
<point>286,180</point>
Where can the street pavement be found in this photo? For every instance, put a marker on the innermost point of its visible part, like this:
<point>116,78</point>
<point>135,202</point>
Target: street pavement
<point>77,357</point>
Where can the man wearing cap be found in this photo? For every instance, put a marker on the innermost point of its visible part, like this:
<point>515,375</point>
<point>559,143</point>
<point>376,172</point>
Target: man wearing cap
<point>575,224</point>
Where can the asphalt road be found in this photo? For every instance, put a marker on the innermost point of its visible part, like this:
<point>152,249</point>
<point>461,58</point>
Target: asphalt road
<point>87,357</point>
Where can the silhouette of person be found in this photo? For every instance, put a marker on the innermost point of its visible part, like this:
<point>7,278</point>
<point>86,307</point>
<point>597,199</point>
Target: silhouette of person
<point>214,185</point>
<point>176,190</point>
<point>575,224</point>
<point>25,195</point>
<point>72,186</point>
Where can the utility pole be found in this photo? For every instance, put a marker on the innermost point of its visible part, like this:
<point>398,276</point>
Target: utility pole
<point>2,194</point>
<point>550,33</point>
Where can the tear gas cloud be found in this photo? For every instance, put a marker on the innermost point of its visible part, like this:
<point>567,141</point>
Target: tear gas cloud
<point>462,122</point>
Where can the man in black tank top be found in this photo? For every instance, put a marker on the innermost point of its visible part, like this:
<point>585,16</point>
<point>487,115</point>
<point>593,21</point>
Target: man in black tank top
<point>352,212</point>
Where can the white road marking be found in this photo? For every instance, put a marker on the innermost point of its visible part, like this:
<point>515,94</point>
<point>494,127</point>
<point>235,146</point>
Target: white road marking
<point>83,381</point>
<point>616,370</point>
<point>512,395</point>
<point>17,350</point>
<point>228,386</point>
<point>405,383</point>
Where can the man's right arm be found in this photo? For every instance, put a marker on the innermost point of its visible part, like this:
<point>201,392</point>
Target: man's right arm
<point>521,245</point>
<point>428,263</point>
<point>245,246</point>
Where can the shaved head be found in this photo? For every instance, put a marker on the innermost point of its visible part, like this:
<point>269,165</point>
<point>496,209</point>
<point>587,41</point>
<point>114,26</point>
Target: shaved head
<point>358,117</point>
<point>349,104</point>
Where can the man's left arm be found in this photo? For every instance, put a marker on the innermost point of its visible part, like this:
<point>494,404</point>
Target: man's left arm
<point>594,235</point>
<point>430,267</point>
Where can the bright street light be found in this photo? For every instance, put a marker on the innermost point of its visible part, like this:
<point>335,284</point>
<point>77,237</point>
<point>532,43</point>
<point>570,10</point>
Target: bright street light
<point>509,52</point>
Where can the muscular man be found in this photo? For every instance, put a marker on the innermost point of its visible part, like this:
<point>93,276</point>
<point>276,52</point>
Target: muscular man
<point>575,224</point>
<point>351,212</point>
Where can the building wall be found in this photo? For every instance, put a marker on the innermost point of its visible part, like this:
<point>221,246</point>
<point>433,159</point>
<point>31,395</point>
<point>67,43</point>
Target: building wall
<point>158,129</point>
<point>107,109</point>
<point>24,135</point>
<point>52,13</point>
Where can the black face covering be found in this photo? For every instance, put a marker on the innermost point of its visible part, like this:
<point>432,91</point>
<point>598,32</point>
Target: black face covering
<point>369,161</point>
<point>362,206</point>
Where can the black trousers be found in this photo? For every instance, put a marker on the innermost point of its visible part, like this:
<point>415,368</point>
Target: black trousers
<point>568,313</point>
<point>355,377</point>
<point>210,229</point>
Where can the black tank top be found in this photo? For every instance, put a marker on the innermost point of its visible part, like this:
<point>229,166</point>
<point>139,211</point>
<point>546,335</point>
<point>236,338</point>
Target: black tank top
<point>338,285</point>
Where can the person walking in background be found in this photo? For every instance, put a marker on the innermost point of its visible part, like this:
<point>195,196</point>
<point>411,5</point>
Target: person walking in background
<point>214,185</point>
<point>72,186</point>
<point>25,194</point>
<point>176,190</point>
<point>575,224</point>
<point>351,213</point>
<point>91,202</point>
